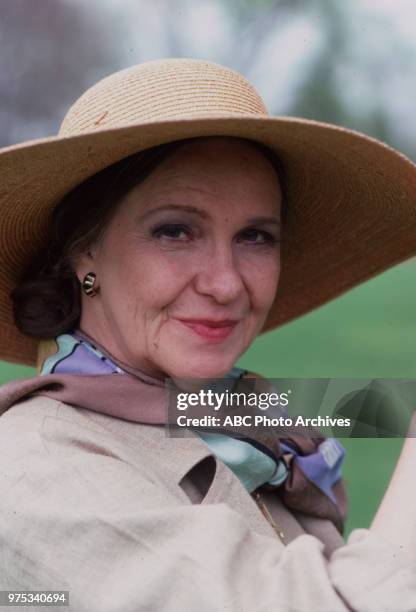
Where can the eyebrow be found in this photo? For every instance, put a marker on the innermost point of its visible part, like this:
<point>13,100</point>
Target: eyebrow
<point>203,214</point>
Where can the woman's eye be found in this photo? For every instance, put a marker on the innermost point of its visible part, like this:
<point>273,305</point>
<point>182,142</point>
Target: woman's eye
<point>256,236</point>
<point>172,231</point>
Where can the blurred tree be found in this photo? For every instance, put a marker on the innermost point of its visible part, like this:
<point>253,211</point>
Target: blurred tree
<point>254,22</point>
<point>321,95</point>
<point>50,51</point>
<point>348,58</point>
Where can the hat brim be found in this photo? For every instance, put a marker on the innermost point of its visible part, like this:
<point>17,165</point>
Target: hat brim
<point>351,204</point>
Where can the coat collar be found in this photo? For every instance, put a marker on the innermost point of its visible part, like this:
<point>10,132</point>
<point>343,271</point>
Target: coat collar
<point>177,457</point>
<point>174,455</point>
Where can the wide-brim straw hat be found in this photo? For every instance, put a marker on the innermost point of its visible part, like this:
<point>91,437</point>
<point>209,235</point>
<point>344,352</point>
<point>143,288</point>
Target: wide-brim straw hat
<point>351,199</point>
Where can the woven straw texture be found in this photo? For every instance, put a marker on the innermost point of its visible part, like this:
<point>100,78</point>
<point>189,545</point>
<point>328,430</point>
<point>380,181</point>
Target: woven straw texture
<point>351,199</point>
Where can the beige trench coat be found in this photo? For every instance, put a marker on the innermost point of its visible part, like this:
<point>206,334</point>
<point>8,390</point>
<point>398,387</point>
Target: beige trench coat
<point>127,519</point>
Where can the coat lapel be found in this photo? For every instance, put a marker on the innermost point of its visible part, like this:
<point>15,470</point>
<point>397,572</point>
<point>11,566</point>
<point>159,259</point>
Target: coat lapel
<point>187,467</point>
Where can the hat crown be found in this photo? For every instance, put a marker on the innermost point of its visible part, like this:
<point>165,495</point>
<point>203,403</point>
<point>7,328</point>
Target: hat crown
<point>163,90</point>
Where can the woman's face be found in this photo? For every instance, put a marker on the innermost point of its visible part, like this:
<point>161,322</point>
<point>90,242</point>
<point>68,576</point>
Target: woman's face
<point>189,265</point>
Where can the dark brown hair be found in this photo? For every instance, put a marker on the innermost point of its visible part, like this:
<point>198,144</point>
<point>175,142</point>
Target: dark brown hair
<point>47,300</point>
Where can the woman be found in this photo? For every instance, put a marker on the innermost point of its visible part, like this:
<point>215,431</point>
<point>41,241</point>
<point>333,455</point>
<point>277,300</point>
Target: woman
<point>145,238</point>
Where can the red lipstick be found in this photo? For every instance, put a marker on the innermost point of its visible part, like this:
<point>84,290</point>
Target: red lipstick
<point>210,329</point>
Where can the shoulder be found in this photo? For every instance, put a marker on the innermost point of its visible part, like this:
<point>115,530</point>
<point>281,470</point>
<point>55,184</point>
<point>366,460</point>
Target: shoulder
<point>51,451</point>
<point>21,424</point>
<point>29,408</point>
<point>24,460</point>
<point>42,424</point>
<point>39,430</point>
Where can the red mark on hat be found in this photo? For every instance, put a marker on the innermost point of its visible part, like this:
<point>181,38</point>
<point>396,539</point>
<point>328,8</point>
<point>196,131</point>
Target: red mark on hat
<point>101,118</point>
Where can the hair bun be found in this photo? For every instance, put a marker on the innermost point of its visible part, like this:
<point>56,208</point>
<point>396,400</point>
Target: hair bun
<point>47,306</point>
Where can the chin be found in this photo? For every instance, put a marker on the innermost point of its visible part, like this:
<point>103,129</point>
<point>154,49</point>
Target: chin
<point>207,369</point>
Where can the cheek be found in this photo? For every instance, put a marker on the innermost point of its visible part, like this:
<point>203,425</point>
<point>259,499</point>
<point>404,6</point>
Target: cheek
<point>144,282</point>
<point>263,280</point>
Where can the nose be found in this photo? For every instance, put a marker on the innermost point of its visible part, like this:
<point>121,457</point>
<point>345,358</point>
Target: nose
<point>219,275</point>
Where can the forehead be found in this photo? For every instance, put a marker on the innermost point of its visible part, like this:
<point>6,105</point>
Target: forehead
<point>220,178</point>
<point>219,155</point>
<point>214,166</point>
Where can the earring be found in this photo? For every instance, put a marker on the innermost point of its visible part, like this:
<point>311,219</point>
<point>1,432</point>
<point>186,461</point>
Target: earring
<point>88,284</point>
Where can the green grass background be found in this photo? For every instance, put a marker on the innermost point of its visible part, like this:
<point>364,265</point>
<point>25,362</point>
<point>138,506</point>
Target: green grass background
<point>367,333</point>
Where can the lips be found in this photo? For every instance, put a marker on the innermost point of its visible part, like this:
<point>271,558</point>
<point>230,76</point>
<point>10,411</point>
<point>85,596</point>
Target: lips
<point>210,322</point>
<point>213,330</point>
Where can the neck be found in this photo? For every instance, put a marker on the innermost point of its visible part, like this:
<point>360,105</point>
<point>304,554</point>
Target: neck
<point>151,378</point>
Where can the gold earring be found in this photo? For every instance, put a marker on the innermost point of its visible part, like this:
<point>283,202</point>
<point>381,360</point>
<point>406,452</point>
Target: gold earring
<point>88,284</point>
